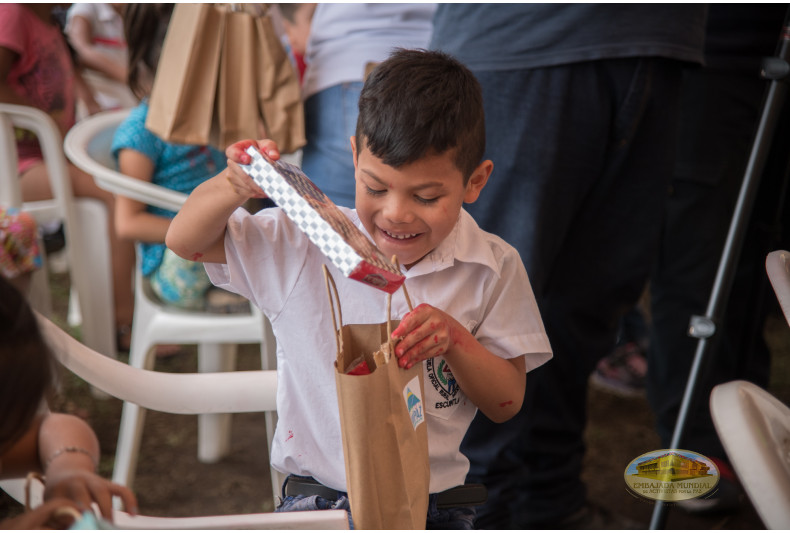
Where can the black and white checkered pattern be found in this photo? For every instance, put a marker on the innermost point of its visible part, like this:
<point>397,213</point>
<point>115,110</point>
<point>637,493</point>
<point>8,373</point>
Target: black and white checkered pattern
<point>315,214</point>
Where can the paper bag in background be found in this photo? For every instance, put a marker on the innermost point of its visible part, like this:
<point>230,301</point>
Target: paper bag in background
<point>223,76</point>
<point>385,437</point>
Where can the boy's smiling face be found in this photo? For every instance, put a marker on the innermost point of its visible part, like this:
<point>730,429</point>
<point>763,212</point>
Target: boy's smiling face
<point>410,210</point>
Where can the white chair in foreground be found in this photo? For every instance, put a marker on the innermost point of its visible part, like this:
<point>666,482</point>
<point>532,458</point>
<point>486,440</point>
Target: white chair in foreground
<point>84,222</point>
<point>754,428</point>
<point>777,265</point>
<point>225,392</point>
<point>217,335</point>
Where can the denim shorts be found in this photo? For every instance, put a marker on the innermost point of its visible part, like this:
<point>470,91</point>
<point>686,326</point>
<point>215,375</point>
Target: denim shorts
<point>453,518</point>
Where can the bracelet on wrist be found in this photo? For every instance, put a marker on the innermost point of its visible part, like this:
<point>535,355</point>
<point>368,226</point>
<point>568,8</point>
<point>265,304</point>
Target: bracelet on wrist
<point>71,449</point>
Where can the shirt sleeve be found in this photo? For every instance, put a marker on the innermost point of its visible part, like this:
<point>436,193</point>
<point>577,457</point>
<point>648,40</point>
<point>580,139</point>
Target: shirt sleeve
<point>512,324</point>
<point>265,255</point>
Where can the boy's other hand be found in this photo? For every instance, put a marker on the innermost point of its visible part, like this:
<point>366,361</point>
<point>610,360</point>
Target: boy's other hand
<point>426,332</point>
<point>236,154</point>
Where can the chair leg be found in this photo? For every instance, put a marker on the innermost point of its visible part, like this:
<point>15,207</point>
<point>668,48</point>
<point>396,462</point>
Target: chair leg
<point>130,432</point>
<point>214,429</point>
<point>129,437</point>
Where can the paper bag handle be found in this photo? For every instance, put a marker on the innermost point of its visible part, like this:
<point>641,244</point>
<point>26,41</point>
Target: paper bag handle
<point>389,301</point>
<point>334,301</point>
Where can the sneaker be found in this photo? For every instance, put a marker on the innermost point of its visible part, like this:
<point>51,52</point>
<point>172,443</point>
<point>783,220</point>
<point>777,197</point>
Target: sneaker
<point>725,499</point>
<point>54,238</point>
<point>623,371</point>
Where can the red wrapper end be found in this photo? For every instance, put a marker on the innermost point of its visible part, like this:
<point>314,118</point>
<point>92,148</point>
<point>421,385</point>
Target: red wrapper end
<point>362,369</point>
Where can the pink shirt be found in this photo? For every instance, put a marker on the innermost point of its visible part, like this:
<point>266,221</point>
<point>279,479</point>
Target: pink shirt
<point>43,72</point>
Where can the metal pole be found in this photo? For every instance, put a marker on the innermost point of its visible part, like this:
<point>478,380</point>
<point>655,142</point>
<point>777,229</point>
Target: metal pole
<point>704,327</point>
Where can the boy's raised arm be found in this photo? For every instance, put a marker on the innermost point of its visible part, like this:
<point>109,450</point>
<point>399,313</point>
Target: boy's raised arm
<point>197,232</point>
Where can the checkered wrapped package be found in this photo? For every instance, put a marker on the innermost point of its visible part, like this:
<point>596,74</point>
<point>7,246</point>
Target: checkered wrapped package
<point>321,220</point>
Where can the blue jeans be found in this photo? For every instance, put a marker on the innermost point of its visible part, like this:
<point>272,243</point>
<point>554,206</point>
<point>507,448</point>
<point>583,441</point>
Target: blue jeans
<point>582,158</point>
<point>330,120</point>
<point>454,518</point>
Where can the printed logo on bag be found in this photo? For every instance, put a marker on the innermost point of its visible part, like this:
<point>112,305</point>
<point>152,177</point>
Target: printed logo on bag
<point>671,475</point>
<point>442,379</point>
<point>411,393</point>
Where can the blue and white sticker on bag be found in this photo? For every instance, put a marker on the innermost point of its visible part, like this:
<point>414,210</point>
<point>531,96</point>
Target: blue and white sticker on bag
<point>411,393</point>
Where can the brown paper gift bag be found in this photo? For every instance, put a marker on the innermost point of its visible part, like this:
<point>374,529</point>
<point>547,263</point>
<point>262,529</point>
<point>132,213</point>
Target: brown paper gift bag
<point>279,92</point>
<point>385,437</point>
<point>181,105</point>
<point>224,76</point>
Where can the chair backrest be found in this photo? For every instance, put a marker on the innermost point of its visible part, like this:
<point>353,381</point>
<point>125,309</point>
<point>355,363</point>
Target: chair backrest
<point>777,265</point>
<point>87,145</point>
<point>35,120</point>
<point>84,223</point>
<point>754,428</point>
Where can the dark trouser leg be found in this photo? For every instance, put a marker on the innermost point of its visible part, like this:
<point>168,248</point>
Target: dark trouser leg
<point>582,155</point>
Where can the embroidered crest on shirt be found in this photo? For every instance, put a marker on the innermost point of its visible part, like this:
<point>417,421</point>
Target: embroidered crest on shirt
<point>444,394</point>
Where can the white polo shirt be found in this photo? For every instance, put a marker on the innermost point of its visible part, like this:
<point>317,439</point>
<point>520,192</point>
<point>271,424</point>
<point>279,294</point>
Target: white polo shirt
<point>472,275</point>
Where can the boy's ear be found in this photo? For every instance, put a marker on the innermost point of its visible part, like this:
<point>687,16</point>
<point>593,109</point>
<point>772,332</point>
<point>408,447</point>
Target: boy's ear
<point>478,180</point>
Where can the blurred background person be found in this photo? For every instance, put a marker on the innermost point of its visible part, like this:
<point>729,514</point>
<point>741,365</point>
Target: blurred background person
<point>95,32</point>
<point>581,104</point>
<point>36,71</point>
<point>345,41</point>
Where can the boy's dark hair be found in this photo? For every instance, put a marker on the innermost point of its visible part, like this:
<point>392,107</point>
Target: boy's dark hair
<point>419,102</point>
<point>26,365</point>
<point>289,10</point>
<point>145,27</point>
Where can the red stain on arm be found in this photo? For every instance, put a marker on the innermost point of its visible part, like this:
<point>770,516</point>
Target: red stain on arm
<point>505,404</point>
<point>196,256</point>
<point>436,339</point>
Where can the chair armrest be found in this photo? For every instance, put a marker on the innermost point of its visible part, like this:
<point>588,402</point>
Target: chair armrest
<point>180,393</point>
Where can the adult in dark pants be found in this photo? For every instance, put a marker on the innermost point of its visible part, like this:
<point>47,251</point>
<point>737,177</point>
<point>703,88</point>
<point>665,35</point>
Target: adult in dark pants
<point>581,109</point>
<point>720,108</point>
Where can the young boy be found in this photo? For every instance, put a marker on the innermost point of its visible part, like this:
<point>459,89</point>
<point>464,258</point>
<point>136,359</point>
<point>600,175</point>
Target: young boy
<point>417,156</point>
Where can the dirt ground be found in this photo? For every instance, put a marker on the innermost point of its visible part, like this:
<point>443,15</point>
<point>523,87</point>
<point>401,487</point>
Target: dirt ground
<point>171,482</point>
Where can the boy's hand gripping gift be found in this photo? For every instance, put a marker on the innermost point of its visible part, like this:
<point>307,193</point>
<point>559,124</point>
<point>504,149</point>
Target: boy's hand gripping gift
<point>321,220</point>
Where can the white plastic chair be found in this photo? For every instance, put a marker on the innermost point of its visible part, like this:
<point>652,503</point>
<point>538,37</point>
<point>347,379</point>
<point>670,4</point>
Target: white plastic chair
<point>754,428</point>
<point>777,265</point>
<point>217,335</point>
<point>85,226</point>
<point>194,393</point>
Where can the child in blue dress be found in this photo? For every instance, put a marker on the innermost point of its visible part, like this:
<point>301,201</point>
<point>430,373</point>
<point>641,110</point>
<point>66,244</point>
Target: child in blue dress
<point>142,155</point>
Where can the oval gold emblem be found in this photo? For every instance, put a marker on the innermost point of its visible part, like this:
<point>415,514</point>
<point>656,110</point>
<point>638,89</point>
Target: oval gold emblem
<point>671,475</point>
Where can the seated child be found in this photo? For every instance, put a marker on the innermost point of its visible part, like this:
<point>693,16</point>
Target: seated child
<point>95,32</point>
<point>142,155</point>
<point>418,157</point>
<point>62,447</point>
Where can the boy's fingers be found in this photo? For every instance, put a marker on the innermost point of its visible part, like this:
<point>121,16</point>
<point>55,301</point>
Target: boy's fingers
<point>408,323</point>
<point>237,151</point>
